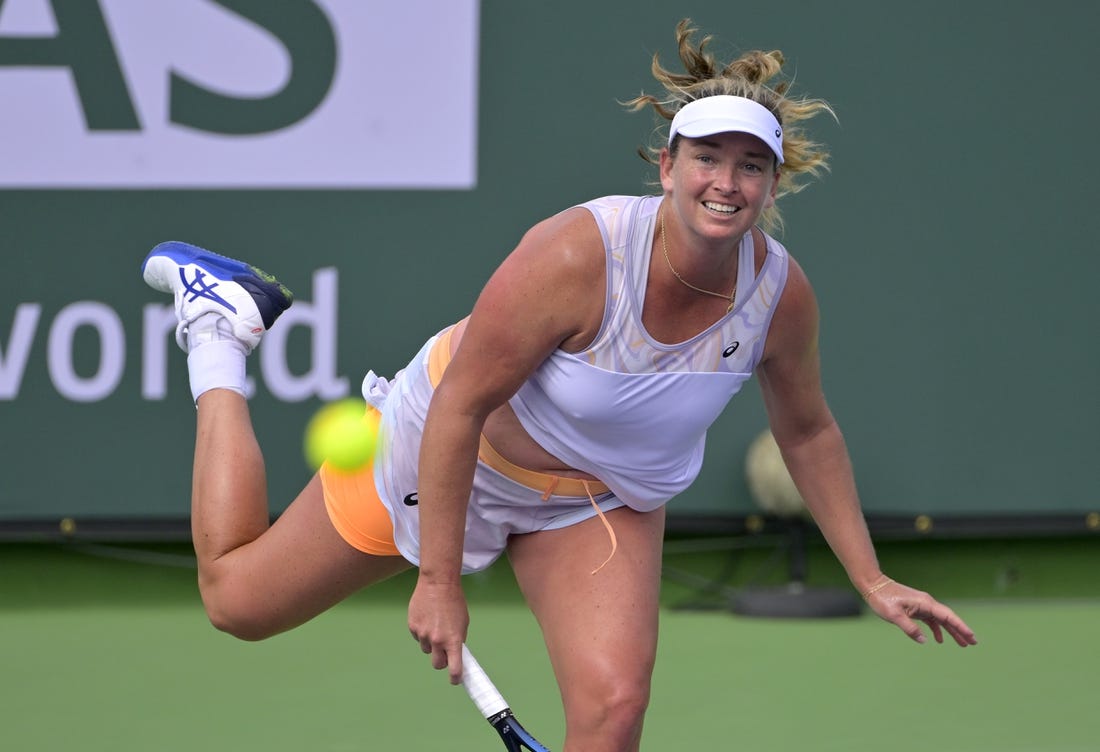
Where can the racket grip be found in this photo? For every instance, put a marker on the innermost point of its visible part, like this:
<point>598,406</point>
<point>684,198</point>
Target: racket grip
<point>485,696</point>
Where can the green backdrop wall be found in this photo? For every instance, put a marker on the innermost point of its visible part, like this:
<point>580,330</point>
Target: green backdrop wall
<point>951,247</point>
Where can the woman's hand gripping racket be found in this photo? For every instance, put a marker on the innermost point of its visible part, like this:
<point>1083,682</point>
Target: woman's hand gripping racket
<point>492,705</point>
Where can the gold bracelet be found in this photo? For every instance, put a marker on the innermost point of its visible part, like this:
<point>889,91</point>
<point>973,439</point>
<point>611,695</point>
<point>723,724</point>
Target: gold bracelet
<point>877,587</point>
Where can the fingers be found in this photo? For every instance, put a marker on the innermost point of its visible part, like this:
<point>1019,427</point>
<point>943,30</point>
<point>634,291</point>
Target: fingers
<point>911,628</point>
<point>938,617</point>
<point>937,633</point>
<point>959,631</point>
<point>438,620</point>
<point>454,665</point>
<point>962,637</point>
<point>908,608</point>
<point>443,655</point>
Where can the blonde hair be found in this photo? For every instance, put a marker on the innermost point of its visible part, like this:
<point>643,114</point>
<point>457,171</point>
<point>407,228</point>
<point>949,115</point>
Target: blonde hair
<point>750,76</point>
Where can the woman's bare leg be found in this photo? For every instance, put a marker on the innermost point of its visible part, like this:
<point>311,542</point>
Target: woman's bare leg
<point>255,580</point>
<point>258,580</point>
<point>600,629</point>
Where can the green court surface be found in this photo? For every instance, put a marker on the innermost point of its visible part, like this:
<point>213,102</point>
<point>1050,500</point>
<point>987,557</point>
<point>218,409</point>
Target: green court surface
<point>106,653</point>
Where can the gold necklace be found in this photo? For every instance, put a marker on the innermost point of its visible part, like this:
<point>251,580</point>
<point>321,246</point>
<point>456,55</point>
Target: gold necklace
<point>664,247</point>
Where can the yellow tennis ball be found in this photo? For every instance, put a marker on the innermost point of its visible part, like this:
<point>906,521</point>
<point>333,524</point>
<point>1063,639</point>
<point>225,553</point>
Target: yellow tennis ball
<point>343,434</point>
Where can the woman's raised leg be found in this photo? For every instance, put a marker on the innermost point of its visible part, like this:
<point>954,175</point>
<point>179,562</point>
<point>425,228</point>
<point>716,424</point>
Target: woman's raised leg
<point>257,580</point>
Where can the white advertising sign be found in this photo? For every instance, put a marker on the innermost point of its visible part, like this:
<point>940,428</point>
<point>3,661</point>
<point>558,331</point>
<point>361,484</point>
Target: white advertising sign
<point>238,94</point>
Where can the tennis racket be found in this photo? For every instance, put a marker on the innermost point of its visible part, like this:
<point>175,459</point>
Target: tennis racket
<point>492,705</point>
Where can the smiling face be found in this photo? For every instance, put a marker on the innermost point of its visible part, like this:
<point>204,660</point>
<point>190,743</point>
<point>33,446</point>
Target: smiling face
<point>719,185</point>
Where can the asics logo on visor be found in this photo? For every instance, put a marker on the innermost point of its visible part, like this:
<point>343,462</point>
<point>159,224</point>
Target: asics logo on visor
<point>198,288</point>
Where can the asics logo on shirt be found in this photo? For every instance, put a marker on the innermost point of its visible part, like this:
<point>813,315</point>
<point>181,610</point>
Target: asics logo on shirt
<point>731,349</point>
<point>411,500</point>
<point>198,288</point>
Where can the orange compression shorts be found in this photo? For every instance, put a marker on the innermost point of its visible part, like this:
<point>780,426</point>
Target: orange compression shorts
<point>356,511</point>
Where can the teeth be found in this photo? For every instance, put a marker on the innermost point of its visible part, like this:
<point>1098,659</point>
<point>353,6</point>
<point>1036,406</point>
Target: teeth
<point>720,207</point>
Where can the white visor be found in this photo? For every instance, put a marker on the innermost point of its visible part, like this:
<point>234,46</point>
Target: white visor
<point>723,114</point>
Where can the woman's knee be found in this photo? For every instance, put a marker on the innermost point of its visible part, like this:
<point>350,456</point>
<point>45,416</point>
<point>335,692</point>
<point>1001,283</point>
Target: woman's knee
<point>234,612</point>
<point>610,709</point>
<point>239,625</point>
<point>255,594</point>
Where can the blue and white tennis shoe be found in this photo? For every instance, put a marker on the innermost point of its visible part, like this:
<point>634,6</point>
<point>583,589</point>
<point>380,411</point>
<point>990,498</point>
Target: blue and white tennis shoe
<point>203,282</point>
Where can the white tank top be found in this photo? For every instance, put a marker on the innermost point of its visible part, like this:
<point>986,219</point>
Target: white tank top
<point>633,411</point>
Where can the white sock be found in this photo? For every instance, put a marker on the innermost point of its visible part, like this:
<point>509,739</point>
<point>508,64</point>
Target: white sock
<point>216,358</point>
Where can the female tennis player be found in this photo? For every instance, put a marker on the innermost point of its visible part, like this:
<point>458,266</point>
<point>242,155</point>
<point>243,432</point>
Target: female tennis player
<point>558,419</point>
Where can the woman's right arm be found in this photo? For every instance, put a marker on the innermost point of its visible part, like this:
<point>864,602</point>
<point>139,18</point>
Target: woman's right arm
<point>546,294</point>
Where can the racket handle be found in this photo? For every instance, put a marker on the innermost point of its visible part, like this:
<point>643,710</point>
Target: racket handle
<point>488,700</point>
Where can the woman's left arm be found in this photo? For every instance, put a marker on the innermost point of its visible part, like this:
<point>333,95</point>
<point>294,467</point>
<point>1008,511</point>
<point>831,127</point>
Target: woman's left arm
<point>817,458</point>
